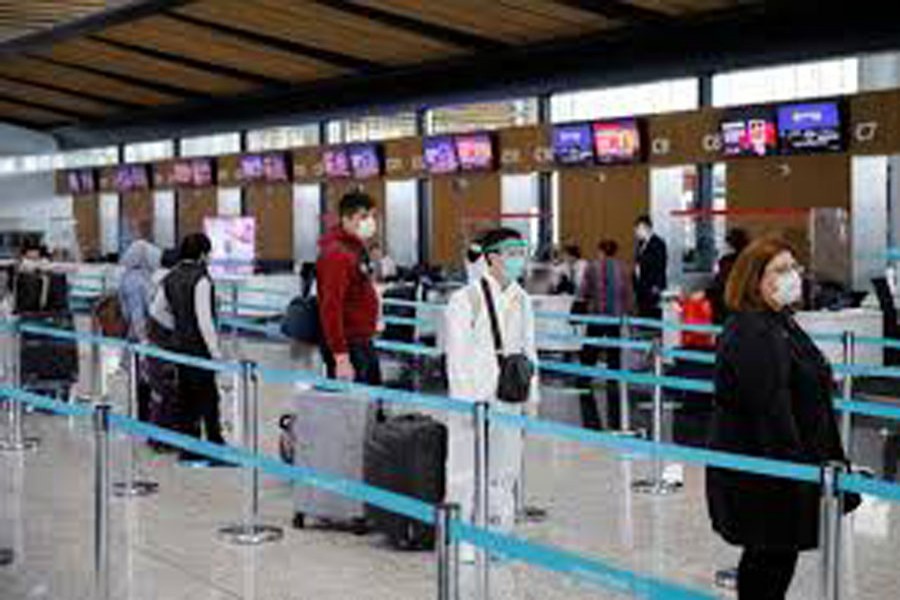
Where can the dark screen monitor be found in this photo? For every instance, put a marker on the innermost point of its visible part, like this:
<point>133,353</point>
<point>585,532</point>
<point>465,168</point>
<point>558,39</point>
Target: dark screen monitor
<point>475,151</point>
<point>251,168</point>
<point>810,127</point>
<point>336,162</point>
<point>203,172</point>
<point>182,173</point>
<point>573,144</point>
<point>365,160</point>
<point>439,154</point>
<point>749,132</point>
<point>617,142</point>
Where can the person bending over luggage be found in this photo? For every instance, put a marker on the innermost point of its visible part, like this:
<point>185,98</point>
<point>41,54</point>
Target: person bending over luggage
<point>606,292</point>
<point>348,302</point>
<point>473,370</point>
<point>773,399</point>
<point>185,304</point>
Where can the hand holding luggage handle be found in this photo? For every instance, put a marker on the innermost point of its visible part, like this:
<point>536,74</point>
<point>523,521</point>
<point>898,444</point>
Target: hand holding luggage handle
<point>250,532</point>
<point>15,440</point>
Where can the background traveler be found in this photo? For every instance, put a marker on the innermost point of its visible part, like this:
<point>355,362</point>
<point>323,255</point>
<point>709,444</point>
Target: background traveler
<point>737,240</point>
<point>651,262</point>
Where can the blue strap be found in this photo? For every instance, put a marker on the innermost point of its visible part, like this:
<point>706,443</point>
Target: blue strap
<point>853,482</point>
<point>44,403</point>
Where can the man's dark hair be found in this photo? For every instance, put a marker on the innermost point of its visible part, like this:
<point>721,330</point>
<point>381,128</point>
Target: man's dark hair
<point>354,202</point>
<point>608,247</point>
<point>491,238</point>
<point>644,220</point>
<point>193,246</point>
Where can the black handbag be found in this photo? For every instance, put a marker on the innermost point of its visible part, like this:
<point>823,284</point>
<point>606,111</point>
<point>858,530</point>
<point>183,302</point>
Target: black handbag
<point>516,370</point>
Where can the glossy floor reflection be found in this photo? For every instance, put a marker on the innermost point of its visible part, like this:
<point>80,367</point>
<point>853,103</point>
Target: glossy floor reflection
<point>166,547</point>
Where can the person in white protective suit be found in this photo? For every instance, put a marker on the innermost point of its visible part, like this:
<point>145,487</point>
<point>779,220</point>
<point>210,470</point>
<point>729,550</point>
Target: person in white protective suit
<point>473,374</point>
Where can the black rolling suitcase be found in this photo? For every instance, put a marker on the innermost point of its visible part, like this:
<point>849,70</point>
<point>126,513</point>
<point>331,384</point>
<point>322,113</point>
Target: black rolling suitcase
<point>406,454</point>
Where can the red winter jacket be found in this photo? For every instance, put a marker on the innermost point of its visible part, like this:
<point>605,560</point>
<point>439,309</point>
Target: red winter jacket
<point>348,303</point>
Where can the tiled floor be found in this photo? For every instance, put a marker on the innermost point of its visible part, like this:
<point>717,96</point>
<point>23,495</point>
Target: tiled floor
<point>165,547</point>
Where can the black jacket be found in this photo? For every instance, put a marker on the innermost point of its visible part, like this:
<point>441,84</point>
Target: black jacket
<point>773,399</point>
<point>650,277</point>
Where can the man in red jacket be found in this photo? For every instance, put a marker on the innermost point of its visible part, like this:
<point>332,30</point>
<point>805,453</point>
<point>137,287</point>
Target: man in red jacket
<point>348,302</point>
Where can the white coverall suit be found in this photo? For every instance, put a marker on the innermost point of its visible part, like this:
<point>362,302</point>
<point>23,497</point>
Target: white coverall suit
<point>473,373</point>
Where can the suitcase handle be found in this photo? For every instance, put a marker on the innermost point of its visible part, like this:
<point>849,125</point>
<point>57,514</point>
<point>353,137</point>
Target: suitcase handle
<point>286,421</point>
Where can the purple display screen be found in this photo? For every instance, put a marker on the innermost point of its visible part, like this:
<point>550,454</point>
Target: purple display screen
<point>81,182</point>
<point>573,144</point>
<point>275,167</point>
<point>132,177</point>
<point>813,126</point>
<point>337,162</point>
<point>365,160</point>
<point>202,172</point>
<point>475,151</point>
<point>439,154</point>
<point>251,167</point>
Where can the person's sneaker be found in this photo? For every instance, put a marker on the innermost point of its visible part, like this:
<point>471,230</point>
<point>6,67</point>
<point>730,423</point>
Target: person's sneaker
<point>6,557</point>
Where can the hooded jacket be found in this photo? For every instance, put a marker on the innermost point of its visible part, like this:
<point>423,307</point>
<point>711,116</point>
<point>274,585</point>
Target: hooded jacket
<point>348,302</point>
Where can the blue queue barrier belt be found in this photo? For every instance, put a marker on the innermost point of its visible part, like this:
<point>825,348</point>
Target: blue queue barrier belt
<point>868,408</point>
<point>600,342</point>
<point>853,482</point>
<point>425,306</point>
<point>632,377</point>
<point>392,320</point>
<point>708,358</point>
<point>64,334</point>
<point>569,563</point>
<point>867,371</point>
<point>186,360</point>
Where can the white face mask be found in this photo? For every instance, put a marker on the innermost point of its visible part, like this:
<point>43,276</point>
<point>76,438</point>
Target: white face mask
<point>788,289</point>
<point>367,228</point>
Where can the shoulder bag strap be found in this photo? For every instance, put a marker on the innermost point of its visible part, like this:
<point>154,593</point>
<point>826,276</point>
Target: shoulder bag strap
<point>492,313</point>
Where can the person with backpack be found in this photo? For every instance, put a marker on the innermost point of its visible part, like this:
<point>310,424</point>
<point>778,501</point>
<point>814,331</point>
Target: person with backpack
<point>348,301</point>
<point>185,306</point>
<point>491,357</point>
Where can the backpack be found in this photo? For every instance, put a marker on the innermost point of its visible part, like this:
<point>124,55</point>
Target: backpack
<point>301,320</point>
<point>109,318</point>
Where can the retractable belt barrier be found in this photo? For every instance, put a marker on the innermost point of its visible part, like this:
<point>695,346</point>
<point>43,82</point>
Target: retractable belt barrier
<point>569,563</point>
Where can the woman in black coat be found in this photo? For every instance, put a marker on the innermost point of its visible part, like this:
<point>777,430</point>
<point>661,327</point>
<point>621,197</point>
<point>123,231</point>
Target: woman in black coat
<point>774,400</point>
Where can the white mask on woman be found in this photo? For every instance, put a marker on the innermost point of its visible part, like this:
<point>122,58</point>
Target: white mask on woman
<point>788,288</point>
<point>367,228</point>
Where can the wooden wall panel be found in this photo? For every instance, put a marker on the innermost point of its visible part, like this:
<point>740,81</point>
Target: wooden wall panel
<point>525,149</point>
<point>137,214</point>
<point>228,170</point>
<point>86,210</point>
<point>194,205</point>
<point>597,204</point>
<point>881,109</point>
<point>308,164</point>
<point>684,138</point>
<point>272,207</point>
<point>460,207</point>
<point>403,158</point>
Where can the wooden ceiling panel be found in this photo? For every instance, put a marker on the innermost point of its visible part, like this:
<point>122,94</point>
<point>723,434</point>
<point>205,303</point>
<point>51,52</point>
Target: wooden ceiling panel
<point>685,7</point>
<point>200,43</point>
<point>38,116</point>
<point>507,21</point>
<point>132,64</point>
<point>561,12</point>
<point>23,17</point>
<point>316,25</point>
<point>35,70</point>
<point>52,98</point>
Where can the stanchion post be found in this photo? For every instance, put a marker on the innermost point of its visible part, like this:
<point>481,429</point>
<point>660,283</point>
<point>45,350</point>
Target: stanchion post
<point>133,485</point>
<point>96,358</point>
<point>15,410</point>
<point>624,400</point>
<point>101,502</point>
<point>656,483</point>
<point>447,549</point>
<point>832,512</point>
<point>250,532</point>
<point>849,354</point>
<point>482,498</point>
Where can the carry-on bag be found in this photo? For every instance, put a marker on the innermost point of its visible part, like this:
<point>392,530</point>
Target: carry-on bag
<point>327,433</point>
<point>406,454</point>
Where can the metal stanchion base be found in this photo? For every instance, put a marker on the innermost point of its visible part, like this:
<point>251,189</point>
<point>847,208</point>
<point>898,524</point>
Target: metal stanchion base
<point>135,489</point>
<point>251,535</point>
<point>21,446</point>
<point>727,579</point>
<point>656,487</point>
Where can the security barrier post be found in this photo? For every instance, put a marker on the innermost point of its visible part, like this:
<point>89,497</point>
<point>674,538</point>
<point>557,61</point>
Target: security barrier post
<point>250,532</point>
<point>101,502</point>
<point>482,498</point>
<point>849,354</point>
<point>447,549</point>
<point>830,532</point>
<point>656,483</point>
<point>133,485</point>
<point>15,410</point>
<point>624,400</point>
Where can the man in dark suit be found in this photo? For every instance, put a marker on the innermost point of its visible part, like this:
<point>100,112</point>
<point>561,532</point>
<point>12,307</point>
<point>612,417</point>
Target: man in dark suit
<point>650,266</point>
